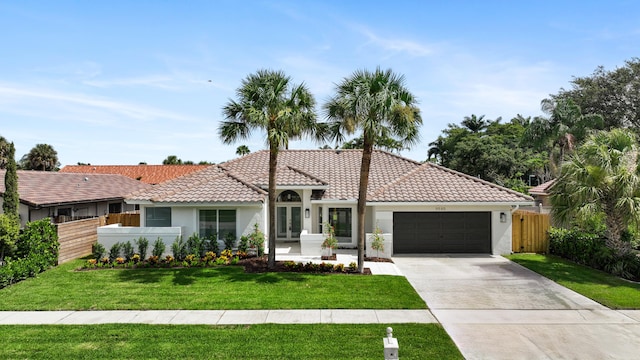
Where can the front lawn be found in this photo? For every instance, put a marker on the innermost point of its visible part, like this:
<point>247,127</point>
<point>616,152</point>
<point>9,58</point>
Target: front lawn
<point>267,341</point>
<point>219,288</point>
<point>599,286</point>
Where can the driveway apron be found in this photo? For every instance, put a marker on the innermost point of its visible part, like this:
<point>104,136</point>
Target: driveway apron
<point>495,309</point>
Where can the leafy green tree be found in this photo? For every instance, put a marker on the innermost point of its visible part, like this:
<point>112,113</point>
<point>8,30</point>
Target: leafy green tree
<point>172,160</point>
<point>41,157</point>
<point>242,150</point>
<point>268,101</point>
<point>615,94</point>
<point>388,144</point>
<point>602,177</point>
<point>563,130</point>
<point>10,198</point>
<point>4,155</point>
<point>380,106</point>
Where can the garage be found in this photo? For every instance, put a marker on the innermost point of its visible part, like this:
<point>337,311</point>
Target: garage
<point>441,232</point>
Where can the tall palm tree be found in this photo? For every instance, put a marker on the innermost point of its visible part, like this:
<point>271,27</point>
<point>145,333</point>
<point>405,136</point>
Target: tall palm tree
<point>380,106</point>
<point>41,157</point>
<point>602,177</point>
<point>242,150</point>
<point>268,101</point>
<point>474,123</point>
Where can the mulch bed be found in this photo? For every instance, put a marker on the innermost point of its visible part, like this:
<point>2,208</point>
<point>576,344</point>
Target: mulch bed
<point>259,265</point>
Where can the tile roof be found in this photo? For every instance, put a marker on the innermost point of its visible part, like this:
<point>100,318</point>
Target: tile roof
<point>392,178</point>
<point>47,188</point>
<point>542,189</point>
<point>150,174</point>
<point>210,185</point>
<point>434,183</point>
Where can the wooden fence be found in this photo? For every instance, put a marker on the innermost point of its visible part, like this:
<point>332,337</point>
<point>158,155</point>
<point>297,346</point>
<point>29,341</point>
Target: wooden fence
<point>530,232</point>
<point>76,238</point>
<point>126,219</point>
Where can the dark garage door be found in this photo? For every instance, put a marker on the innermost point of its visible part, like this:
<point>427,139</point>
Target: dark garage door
<point>441,232</point>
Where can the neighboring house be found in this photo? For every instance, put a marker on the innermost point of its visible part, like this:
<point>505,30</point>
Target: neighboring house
<point>67,196</point>
<point>148,174</point>
<point>421,208</point>
<point>541,195</point>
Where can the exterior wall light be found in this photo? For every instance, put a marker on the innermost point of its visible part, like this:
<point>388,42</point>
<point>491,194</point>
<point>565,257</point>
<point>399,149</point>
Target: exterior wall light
<point>307,213</point>
<point>503,217</point>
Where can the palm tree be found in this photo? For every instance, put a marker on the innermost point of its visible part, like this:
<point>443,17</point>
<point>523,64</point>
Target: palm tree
<point>602,177</point>
<point>378,104</point>
<point>242,150</point>
<point>564,129</point>
<point>268,101</point>
<point>475,124</point>
<point>41,157</point>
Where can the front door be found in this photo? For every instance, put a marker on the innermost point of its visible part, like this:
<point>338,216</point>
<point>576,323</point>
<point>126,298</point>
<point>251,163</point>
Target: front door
<point>288,222</point>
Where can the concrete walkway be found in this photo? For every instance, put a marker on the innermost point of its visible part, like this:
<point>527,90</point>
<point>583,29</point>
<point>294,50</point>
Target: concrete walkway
<point>495,309</point>
<point>216,317</point>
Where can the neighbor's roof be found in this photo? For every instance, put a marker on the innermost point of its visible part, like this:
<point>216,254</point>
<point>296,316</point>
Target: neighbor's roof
<point>47,188</point>
<point>542,189</point>
<point>210,185</point>
<point>150,174</point>
<point>392,178</point>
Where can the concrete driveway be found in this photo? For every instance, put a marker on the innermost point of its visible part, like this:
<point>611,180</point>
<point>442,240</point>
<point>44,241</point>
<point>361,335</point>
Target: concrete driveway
<point>495,309</point>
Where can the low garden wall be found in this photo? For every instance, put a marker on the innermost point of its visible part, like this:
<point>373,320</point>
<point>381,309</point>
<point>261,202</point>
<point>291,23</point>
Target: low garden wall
<point>111,234</point>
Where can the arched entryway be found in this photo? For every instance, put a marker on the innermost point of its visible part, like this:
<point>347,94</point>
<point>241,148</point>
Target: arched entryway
<point>288,215</point>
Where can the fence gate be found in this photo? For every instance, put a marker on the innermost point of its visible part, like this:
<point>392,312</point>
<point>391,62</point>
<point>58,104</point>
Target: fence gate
<point>530,232</point>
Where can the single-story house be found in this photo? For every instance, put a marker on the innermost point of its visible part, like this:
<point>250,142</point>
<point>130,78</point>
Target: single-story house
<point>542,195</point>
<point>148,174</point>
<point>420,207</point>
<point>63,196</point>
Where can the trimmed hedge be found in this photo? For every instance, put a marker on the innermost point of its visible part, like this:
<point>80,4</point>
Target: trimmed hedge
<point>36,251</point>
<point>591,250</point>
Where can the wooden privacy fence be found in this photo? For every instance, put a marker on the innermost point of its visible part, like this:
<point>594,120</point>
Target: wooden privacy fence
<point>530,232</point>
<point>76,238</point>
<point>126,219</point>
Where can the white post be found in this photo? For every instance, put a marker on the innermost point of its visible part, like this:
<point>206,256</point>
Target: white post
<point>390,346</point>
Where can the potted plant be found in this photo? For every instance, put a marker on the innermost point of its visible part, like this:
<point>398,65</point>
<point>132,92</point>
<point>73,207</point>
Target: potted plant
<point>377,241</point>
<point>330,242</point>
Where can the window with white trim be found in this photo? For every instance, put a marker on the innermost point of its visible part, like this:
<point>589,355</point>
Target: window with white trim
<point>217,222</point>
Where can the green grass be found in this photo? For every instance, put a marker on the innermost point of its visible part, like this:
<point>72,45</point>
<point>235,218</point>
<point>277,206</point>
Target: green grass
<point>268,341</point>
<point>223,288</point>
<point>599,286</point>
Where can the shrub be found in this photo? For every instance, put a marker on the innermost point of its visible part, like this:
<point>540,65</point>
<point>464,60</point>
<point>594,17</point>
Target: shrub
<point>256,240</point>
<point>244,243</point>
<point>211,244</point>
<point>98,251</point>
<point>330,242</point>
<point>179,248</point>
<point>229,241</point>
<point>114,252</point>
<point>338,268</point>
<point>158,248</point>
<point>353,267</point>
<point>377,242</point>
<point>9,231</point>
<point>235,260</point>
<point>196,245</point>
<point>127,250</point>
<point>142,244</point>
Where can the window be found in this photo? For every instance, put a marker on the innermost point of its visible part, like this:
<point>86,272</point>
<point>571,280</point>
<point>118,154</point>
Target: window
<point>289,196</point>
<point>217,222</point>
<point>158,217</point>
<point>115,208</point>
<point>340,219</point>
<point>64,212</point>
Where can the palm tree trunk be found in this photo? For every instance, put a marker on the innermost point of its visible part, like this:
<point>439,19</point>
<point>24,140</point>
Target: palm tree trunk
<point>273,164</point>
<point>362,198</point>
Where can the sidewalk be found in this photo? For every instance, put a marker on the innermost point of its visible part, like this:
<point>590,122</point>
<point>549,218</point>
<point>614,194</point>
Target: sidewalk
<point>216,317</point>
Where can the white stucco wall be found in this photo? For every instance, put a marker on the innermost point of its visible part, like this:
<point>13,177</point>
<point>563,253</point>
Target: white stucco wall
<point>110,234</point>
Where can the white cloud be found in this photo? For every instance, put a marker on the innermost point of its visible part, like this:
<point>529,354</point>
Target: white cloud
<point>395,45</point>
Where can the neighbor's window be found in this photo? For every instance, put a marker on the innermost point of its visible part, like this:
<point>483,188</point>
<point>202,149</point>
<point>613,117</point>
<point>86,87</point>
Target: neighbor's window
<point>115,208</point>
<point>217,222</point>
<point>340,219</point>
<point>158,217</point>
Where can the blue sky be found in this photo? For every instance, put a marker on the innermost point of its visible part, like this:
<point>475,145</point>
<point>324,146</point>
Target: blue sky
<point>120,82</point>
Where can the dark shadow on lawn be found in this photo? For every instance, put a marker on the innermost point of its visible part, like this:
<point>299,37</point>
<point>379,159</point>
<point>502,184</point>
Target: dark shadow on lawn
<point>188,276</point>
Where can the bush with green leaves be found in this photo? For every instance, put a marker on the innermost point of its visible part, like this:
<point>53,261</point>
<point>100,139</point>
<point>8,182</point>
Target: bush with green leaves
<point>143,244</point>
<point>127,250</point>
<point>256,239</point>
<point>179,248</point>
<point>9,231</point>
<point>114,252</point>
<point>36,250</point>
<point>158,248</point>
<point>229,241</point>
<point>211,244</point>
<point>377,242</point>
<point>196,245</point>
<point>243,245</point>
<point>98,251</point>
